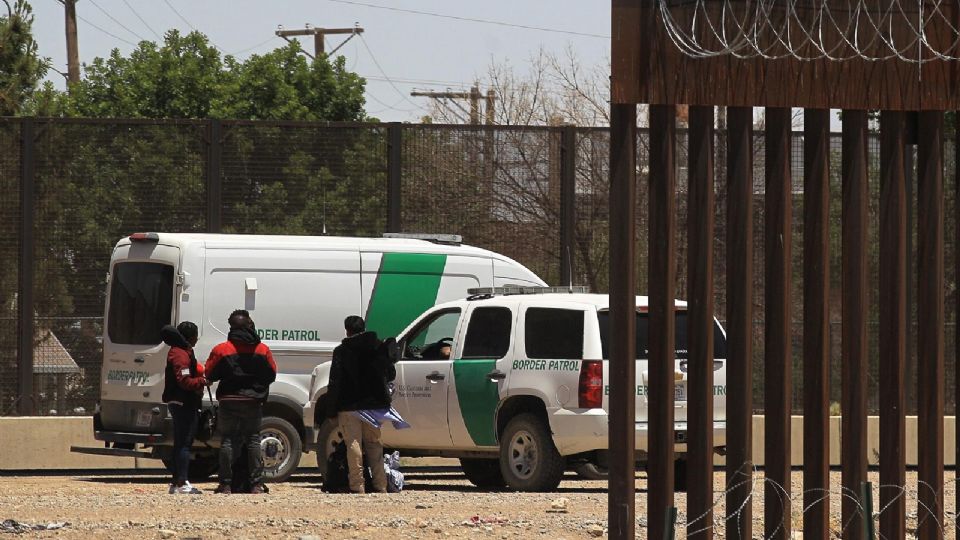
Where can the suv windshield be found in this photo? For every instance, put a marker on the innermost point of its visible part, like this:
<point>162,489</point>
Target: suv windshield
<point>141,299</point>
<point>680,338</point>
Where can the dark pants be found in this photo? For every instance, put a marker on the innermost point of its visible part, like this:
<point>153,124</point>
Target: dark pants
<point>184,430</point>
<point>239,425</point>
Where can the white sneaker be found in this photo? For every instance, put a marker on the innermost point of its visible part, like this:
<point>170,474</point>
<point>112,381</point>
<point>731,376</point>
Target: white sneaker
<point>187,489</point>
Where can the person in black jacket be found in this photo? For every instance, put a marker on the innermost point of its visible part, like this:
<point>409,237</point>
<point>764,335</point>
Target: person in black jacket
<point>245,369</point>
<point>182,392</point>
<point>358,381</point>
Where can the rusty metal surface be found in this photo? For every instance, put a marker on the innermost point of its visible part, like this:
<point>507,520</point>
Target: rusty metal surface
<point>621,505</point>
<point>739,316</point>
<point>700,325</point>
<point>930,315</point>
<point>816,323</point>
<point>661,286</point>
<point>853,402</point>
<point>653,70</point>
<point>777,355</point>
<point>893,324</point>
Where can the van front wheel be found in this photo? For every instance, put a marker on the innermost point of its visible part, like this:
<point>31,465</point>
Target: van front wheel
<point>529,461</point>
<point>280,447</point>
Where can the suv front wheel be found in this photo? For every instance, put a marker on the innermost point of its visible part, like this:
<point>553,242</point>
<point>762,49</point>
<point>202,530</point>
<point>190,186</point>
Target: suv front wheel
<point>529,461</point>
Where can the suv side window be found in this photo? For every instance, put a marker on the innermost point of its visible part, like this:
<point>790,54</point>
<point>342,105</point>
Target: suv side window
<point>554,333</point>
<point>431,339</point>
<point>488,334</point>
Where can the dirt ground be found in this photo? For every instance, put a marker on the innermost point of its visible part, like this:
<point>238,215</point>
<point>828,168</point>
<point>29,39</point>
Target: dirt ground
<point>437,502</point>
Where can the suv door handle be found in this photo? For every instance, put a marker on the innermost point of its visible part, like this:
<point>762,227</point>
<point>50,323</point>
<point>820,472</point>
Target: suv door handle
<point>496,375</point>
<point>436,377</point>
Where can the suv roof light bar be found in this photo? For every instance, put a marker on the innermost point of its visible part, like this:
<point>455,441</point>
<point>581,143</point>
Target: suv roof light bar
<point>144,237</point>
<point>448,239</point>
<point>509,290</point>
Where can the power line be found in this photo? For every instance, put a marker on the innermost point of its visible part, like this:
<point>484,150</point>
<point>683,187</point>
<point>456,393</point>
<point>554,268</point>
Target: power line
<point>374,58</point>
<point>143,21</point>
<point>252,47</point>
<point>111,17</point>
<point>192,27</point>
<point>470,19</point>
<point>107,32</point>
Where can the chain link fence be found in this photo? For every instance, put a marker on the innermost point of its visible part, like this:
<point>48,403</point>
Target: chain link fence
<point>95,181</point>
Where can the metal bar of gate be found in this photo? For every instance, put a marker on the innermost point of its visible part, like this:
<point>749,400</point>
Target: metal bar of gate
<point>395,176</point>
<point>661,284</point>
<point>777,354</point>
<point>892,298</point>
<point>739,322</point>
<point>700,325</point>
<point>623,275</point>
<point>568,195</point>
<point>25,275</point>
<point>930,314</point>
<point>816,324</point>
<point>214,176</point>
<point>853,361</point>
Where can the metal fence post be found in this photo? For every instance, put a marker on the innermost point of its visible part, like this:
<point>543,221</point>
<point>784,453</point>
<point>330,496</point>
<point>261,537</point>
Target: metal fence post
<point>568,197</point>
<point>25,300</point>
<point>394,174</point>
<point>214,178</point>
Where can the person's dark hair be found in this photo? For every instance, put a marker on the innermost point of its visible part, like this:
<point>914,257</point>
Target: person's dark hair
<point>354,325</point>
<point>240,318</point>
<point>188,330</point>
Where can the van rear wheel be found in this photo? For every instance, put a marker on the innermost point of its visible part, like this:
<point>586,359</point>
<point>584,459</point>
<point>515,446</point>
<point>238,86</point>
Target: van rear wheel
<point>529,461</point>
<point>280,447</point>
<point>483,473</point>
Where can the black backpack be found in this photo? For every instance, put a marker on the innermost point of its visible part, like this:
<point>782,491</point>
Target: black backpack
<point>337,479</point>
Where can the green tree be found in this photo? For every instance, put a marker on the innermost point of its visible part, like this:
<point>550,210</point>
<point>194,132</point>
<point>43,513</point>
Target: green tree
<point>21,67</point>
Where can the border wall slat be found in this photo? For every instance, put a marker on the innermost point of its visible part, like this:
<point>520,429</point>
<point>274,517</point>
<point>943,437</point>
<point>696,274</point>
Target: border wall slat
<point>777,351</point>
<point>623,194</point>
<point>853,401</point>
<point>892,298</point>
<point>662,357</point>
<point>700,325</point>
<point>930,315</point>
<point>739,240</point>
<point>816,324</point>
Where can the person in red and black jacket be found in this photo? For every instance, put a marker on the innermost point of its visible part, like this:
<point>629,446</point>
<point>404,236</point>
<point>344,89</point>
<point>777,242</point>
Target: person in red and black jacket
<point>244,367</point>
<point>182,392</point>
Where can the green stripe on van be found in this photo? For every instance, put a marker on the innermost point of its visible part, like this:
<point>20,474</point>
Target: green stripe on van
<point>478,398</point>
<point>406,286</point>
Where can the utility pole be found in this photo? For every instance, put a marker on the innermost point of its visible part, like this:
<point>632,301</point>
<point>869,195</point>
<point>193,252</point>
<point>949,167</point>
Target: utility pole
<point>318,37</point>
<point>473,95</point>
<point>73,54</point>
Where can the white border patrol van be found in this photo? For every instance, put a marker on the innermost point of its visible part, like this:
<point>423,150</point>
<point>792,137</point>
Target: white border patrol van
<point>523,394</point>
<point>298,291</point>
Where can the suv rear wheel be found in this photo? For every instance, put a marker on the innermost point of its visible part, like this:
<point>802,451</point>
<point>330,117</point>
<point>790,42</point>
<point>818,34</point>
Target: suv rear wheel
<point>281,448</point>
<point>483,473</point>
<point>529,461</point>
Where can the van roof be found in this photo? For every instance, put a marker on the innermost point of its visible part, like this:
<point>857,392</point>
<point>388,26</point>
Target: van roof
<point>601,301</point>
<point>255,241</point>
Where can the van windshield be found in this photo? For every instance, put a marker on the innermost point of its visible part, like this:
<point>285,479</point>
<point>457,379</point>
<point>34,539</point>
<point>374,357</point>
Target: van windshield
<point>680,337</point>
<point>141,299</point>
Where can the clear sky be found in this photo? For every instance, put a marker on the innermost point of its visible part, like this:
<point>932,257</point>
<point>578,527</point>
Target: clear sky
<point>400,50</point>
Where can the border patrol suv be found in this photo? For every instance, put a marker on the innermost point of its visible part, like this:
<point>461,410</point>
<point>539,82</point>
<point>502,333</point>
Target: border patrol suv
<point>523,394</point>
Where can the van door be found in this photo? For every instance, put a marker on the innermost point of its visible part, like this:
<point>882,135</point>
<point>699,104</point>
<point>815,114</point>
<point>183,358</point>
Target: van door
<point>422,383</point>
<point>479,375</point>
<point>140,300</point>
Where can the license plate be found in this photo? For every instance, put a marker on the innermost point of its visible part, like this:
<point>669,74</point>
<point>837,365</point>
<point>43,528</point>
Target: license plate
<point>680,392</point>
<point>144,418</point>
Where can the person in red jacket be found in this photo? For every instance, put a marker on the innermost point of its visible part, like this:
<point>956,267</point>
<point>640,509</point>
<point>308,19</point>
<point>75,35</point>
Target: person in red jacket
<point>245,369</point>
<point>183,394</point>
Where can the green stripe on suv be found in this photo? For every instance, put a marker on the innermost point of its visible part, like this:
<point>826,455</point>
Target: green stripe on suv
<point>407,285</point>
<point>478,398</point>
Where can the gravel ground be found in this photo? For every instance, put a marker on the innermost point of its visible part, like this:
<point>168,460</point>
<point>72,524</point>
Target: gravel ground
<point>438,502</point>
